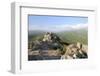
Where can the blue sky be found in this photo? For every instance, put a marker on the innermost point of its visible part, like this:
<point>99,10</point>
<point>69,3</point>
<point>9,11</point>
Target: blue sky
<point>56,23</point>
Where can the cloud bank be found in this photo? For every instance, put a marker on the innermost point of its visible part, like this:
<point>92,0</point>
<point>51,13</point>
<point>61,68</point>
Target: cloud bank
<point>58,28</point>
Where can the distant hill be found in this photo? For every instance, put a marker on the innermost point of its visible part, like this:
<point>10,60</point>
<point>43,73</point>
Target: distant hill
<point>36,34</point>
<point>72,36</point>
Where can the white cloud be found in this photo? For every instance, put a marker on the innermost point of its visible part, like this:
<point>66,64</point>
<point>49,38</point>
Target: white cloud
<point>80,26</point>
<point>57,28</point>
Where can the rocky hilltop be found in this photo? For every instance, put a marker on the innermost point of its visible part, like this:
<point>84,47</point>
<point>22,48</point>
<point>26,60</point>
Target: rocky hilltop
<point>52,47</point>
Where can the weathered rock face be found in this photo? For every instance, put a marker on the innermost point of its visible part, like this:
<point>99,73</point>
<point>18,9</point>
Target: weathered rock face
<point>50,41</point>
<point>51,37</point>
<point>48,48</point>
<point>75,51</point>
<point>52,47</point>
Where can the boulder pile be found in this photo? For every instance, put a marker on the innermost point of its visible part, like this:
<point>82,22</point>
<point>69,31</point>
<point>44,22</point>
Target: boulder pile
<point>52,45</point>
